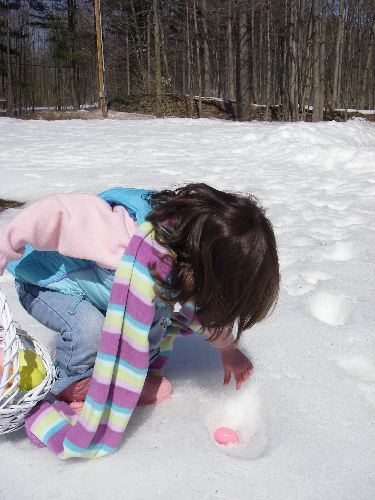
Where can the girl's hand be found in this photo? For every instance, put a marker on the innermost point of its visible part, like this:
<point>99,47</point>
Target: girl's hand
<point>234,361</point>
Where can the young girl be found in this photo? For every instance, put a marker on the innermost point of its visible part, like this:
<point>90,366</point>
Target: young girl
<point>64,250</point>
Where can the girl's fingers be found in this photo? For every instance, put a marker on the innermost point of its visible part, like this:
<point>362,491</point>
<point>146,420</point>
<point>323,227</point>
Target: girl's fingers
<point>242,377</point>
<point>227,375</point>
<point>239,380</point>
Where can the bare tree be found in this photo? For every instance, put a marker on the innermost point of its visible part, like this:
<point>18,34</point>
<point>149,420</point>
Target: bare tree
<point>206,51</point>
<point>269,67</point>
<point>292,75</point>
<point>316,98</point>
<point>369,60</point>
<point>10,103</point>
<point>230,53</point>
<point>339,47</point>
<point>199,73</point>
<point>242,63</point>
<point>155,6</point>
<point>322,59</point>
<point>291,53</point>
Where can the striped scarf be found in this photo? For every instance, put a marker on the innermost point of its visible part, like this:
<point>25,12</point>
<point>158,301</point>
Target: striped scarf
<point>122,361</point>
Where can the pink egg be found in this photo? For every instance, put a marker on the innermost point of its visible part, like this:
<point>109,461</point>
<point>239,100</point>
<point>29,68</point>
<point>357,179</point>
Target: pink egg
<point>224,435</point>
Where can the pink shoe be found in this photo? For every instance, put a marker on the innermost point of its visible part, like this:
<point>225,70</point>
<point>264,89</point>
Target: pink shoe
<point>155,390</point>
<point>77,406</point>
<point>76,391</point>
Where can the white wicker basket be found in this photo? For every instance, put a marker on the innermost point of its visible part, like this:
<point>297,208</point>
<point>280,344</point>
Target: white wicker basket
<point>15,404</point>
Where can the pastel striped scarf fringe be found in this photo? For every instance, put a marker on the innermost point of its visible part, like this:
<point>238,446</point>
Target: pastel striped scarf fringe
<point>122,361</point>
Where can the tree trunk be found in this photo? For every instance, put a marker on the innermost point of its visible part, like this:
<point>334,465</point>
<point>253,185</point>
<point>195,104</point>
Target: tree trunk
<point>139,44</point>
<point>189,110</point>
<point>188,46</point>
<point>366,70</point>
<point>350,58</point>
<point>219,88</point>
<point>242,65</point>
<point>164,51</point>
<point>268,83</point>
<point>10,103</point>
<point>305,60</point>
<point>230,60</point>
<point>157,49</point>
<point>207,86</point>
<point>336,90</point>
<point>284,66</point>
<point>72,11</point>
<point>199,74</point>
<point>128,59</point>
<point>292,67</point>
<point>254,83</point>
<point>175,69</point>
<point>260,58</point>
<point>316,61</point>
<point>322,59</point>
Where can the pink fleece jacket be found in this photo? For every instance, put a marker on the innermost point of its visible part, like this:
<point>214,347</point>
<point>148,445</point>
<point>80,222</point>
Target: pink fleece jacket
<point>76,225</point>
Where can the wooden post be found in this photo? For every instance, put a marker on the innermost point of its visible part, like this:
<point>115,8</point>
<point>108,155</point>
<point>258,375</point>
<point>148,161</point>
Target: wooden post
<point>99,47</point>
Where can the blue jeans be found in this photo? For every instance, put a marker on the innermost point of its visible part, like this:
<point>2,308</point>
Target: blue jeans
<point>79,324</point>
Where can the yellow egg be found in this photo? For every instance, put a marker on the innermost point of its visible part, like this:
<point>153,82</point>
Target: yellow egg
<point>32,370</point>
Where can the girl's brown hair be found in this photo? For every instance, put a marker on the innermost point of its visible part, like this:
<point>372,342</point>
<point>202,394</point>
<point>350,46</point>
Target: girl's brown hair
<point>224,254</point>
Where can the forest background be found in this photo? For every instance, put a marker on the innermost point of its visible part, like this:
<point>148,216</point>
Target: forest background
<point>273,60</point>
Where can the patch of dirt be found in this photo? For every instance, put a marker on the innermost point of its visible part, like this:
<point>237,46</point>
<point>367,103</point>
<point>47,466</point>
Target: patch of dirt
<point>94,114</point>
<point>179,106</point>
<point>5,204</point>
<point>59,115</point>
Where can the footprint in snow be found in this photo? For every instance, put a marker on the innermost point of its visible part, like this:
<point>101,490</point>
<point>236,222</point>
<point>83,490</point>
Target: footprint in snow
<point>303,241</point>
<point>339,205</point>
<point>335,310</point>
<point>361,367</point>
<point>352,220</point>
<point>302,283</point>
<point>340,251</point>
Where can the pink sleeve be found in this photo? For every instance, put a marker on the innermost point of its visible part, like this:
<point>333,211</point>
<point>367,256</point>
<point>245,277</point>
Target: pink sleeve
<point>76,225</point>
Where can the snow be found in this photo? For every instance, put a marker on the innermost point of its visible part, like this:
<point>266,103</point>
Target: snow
<point>361,111</point>
<point>307,417</point>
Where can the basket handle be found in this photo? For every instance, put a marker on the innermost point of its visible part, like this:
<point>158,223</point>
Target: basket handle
<point>10,342</point>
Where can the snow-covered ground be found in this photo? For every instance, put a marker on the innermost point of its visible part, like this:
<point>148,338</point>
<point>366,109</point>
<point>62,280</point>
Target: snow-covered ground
<point>307,417</point>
